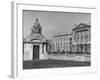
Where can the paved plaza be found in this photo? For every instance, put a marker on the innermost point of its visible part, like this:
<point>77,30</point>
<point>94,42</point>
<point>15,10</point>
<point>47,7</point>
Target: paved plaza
<point>36,64</point>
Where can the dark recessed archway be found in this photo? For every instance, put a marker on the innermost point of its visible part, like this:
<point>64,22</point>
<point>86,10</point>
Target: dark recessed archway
<point>35,52</point>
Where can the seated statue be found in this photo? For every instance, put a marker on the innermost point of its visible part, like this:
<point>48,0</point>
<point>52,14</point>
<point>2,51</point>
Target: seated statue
<point>36,28</point>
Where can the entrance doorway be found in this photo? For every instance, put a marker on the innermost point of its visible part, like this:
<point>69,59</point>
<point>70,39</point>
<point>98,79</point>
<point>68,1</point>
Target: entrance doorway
<point>35,52</point>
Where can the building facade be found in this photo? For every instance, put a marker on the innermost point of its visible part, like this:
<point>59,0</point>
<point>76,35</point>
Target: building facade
<point>34,45</point>
<point>60,43</point>
<point>81,38</point>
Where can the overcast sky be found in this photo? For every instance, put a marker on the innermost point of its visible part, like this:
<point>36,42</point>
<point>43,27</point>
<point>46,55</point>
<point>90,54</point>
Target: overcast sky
<point>53,23</point>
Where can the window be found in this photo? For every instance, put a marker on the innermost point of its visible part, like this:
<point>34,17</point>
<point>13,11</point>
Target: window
<point>77,37</point>
<point>74,37</point>
<point>86,36</point>
<point>81,37</point>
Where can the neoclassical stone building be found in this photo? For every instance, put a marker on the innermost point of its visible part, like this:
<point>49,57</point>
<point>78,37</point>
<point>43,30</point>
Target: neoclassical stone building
<point>81,39</point>
<point>61,42</point>
<point>35,44</point>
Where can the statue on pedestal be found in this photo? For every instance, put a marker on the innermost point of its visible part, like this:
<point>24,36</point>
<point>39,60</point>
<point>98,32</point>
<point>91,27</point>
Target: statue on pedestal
<point>36,27</point>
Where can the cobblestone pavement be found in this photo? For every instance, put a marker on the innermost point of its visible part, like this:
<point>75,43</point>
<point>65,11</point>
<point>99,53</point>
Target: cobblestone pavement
<point>36,64</point>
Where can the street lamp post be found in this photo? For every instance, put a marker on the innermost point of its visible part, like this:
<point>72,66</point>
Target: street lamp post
<point>70,39</point>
